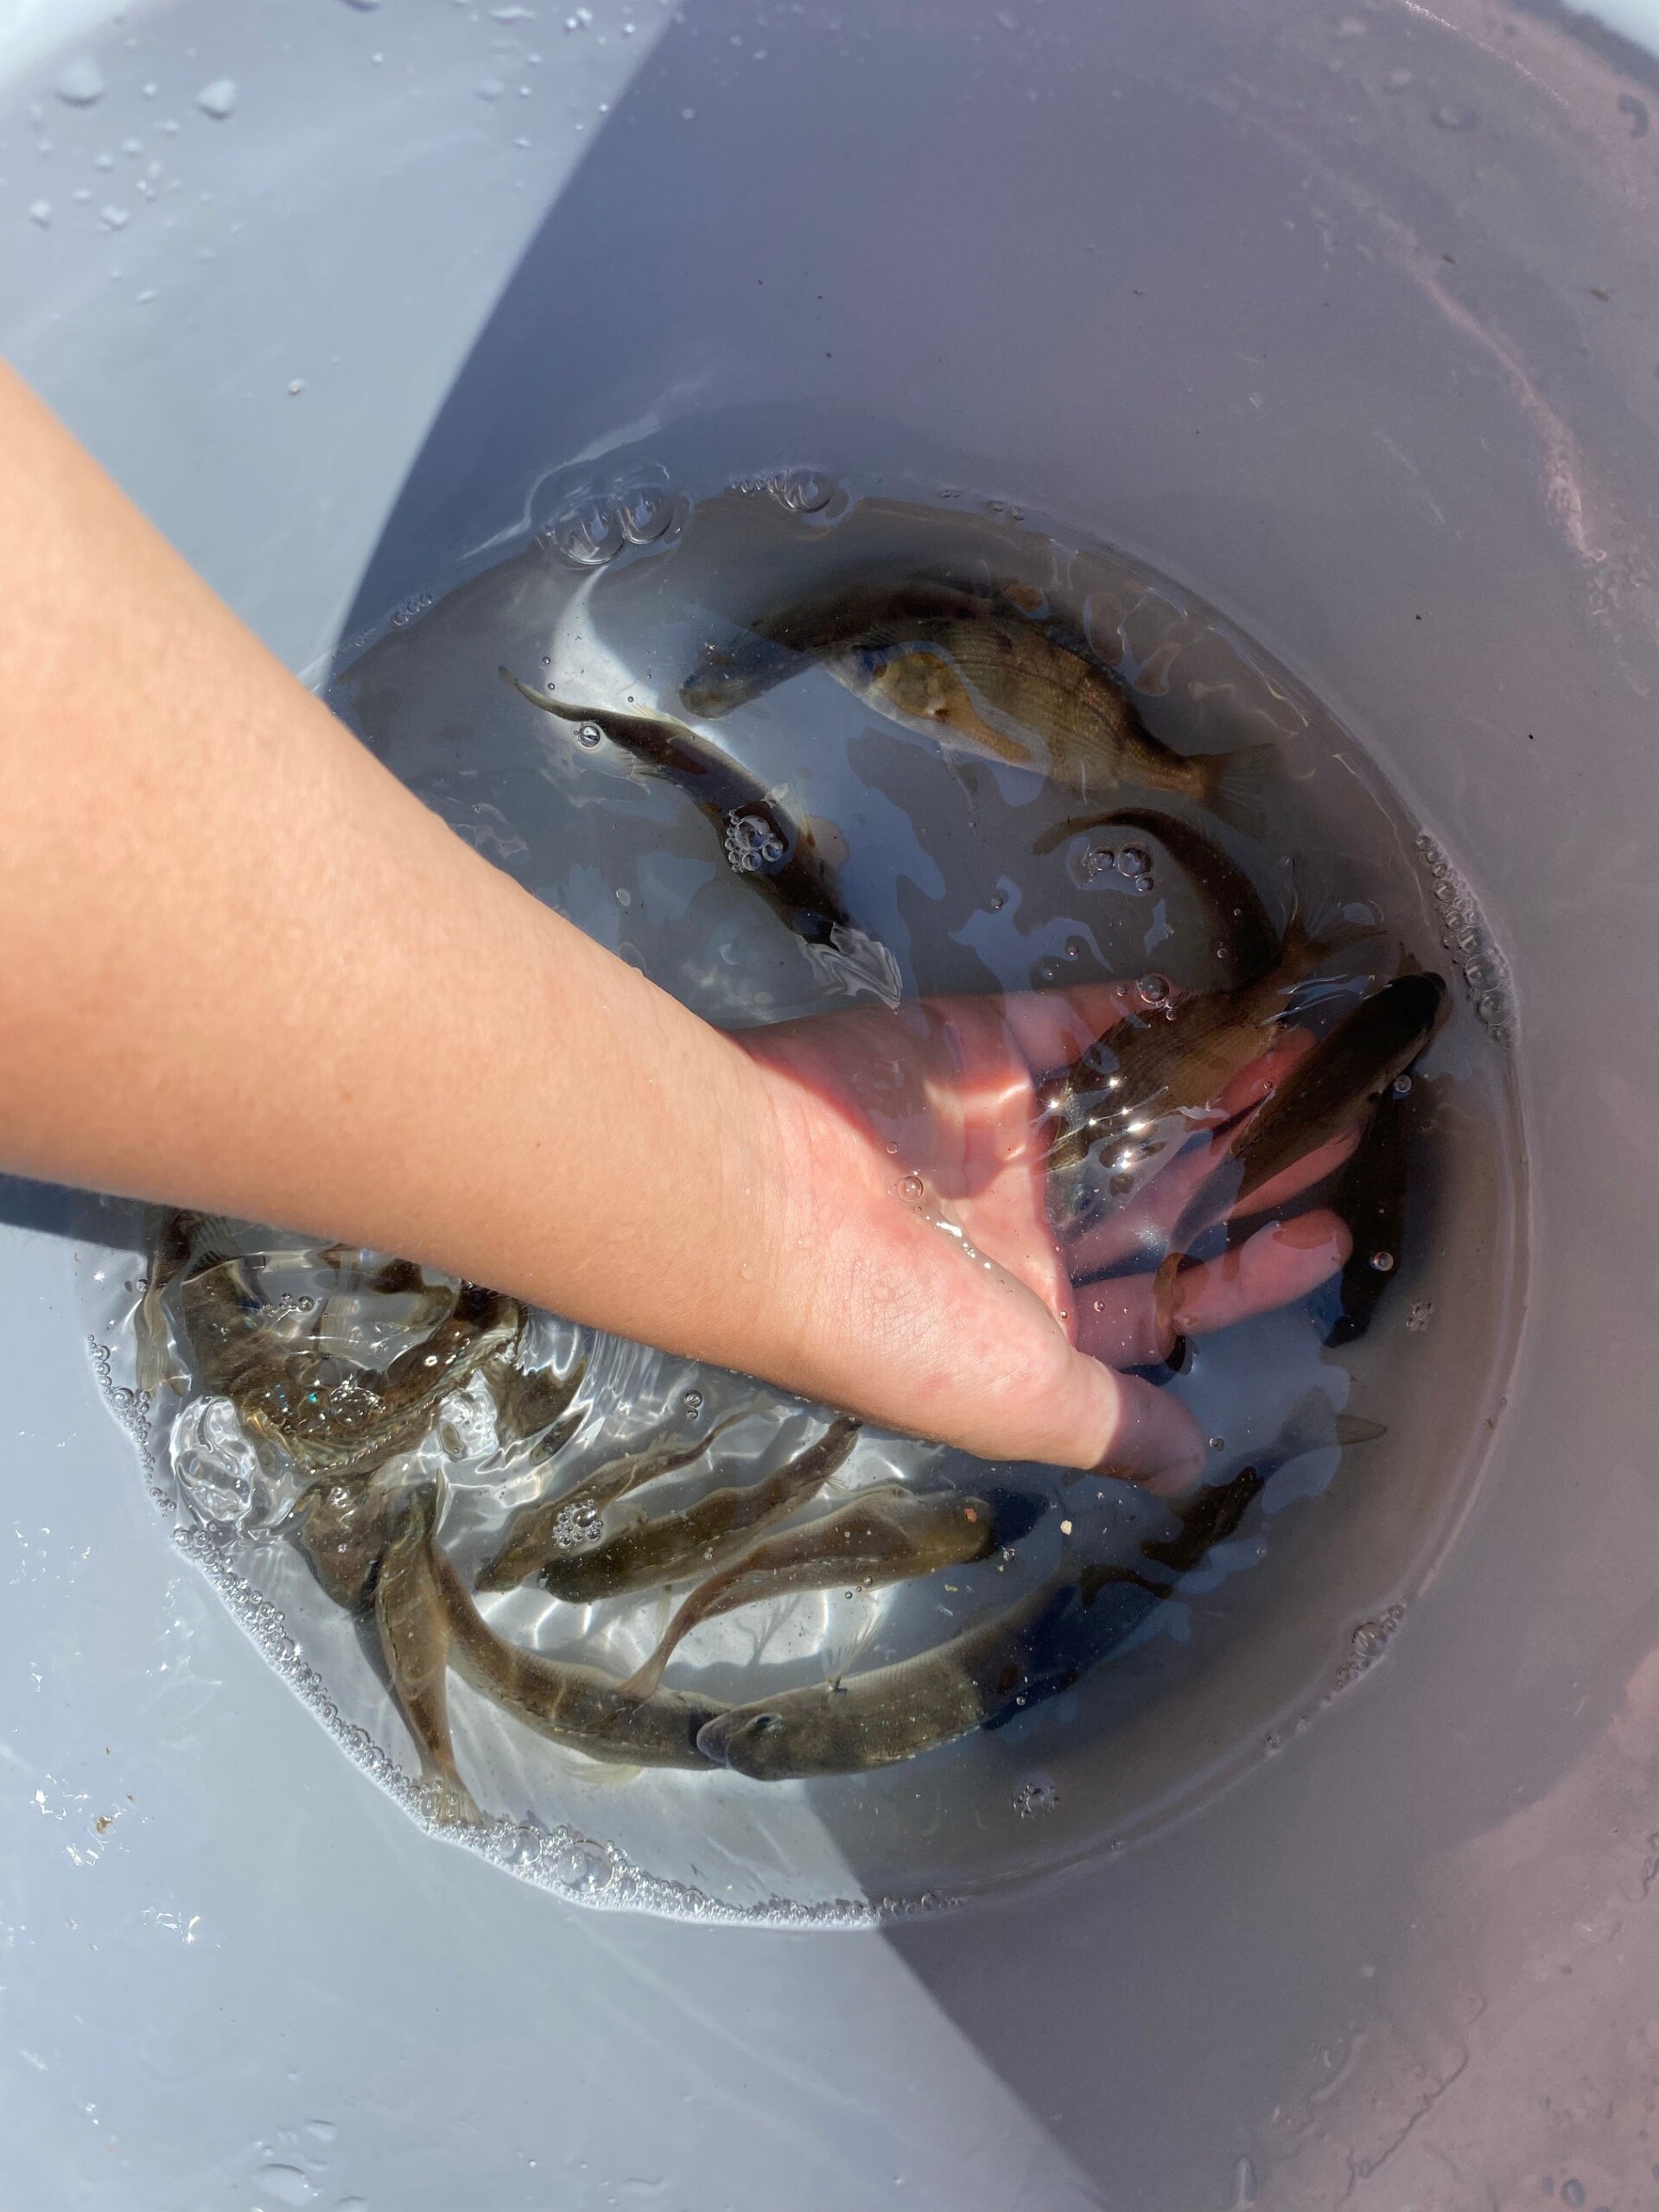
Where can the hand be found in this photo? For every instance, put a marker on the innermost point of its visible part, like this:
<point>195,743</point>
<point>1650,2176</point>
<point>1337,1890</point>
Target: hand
<point>919,1249</point>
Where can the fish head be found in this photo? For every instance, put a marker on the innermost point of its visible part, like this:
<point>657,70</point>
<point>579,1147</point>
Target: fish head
<point>752,1740</point>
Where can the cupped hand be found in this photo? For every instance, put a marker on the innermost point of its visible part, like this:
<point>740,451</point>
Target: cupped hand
<point>916,1264</point>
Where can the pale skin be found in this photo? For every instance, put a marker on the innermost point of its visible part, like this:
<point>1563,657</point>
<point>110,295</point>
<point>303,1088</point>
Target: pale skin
<point>245,970</point>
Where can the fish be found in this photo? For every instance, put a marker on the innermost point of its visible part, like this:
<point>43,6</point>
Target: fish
<point>333,1416</point>
<point>1153,1078</point>
<point>993,1669</point>
<point>534,1404</point>
<point>762,842</point>
<point>568,1702</point>
<point>883,1534</point>
<point>413,1616</point>
<point>659,1551</point>
<point>1235,923</point>
<point>1004,688</point>
<point>533,1536</point>
<point>1370,1198</point>
<point>1326,1091</point>
<point>885,607</point>
<point>343,1527</point>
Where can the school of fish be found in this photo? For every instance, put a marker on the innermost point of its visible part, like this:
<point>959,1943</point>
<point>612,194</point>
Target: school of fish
<point>970,669</point>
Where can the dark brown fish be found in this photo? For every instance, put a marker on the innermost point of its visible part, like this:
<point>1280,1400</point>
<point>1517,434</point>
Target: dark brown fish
<point>1236,924</point>
<point>1370,1197</point>
<point>889,1534</point>
<point>535,1534</point>
<point>656,1552</point>
<point>761,842</point>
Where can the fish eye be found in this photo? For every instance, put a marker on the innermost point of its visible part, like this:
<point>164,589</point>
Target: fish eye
<point>765,1724</point>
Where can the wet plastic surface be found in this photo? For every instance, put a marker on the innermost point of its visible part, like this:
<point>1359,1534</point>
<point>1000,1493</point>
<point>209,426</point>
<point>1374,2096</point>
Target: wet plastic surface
<point>1343,316</point>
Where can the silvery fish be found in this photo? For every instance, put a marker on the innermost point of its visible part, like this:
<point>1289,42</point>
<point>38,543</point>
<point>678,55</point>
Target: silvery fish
<point>553,1526</point>
<point>762,842</point>
<point>656,1552</point>
<point>882,1536</point>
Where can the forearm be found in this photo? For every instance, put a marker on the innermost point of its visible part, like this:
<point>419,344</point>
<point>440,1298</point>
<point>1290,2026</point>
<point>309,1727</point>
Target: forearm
<point>244,968</point>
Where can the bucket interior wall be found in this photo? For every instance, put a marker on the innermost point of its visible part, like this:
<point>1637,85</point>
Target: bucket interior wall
<point>1347,319</point>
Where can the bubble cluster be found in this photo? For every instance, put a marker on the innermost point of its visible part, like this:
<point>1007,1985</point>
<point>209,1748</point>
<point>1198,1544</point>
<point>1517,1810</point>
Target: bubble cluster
<point>1039,1794</point>
<point>753,844</point>
<point>577,1525</point>
<point>1484,971</point>
<point>1367,1644</point>
<point>594,527</point>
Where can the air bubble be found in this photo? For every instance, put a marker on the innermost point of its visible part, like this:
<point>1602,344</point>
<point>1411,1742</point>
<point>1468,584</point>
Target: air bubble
<point>1420,1314</point>
<point>218,100</point>
<point>576,1524</point>
<point>912,1188</point>
<point>39,211</point>
<point>1218,1444</point>
<point>587,534</point>
<point>1384,1262</point>
<point>646,510</point>
<point>1155,989</point>
<point>1134,859</point>
<point>805,490</point>
<point>753,844</point>
<point>692,1400</point>
<point>1400,1085</point>
<point>80,82</point>
<point>1098,861</point>
<point>588,733</point>
<point>1141,885</point>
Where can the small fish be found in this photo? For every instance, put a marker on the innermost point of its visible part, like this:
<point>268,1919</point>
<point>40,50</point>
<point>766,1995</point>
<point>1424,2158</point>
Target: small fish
<point>534,1405</point>
<point>574,1705</point>
<point>762,842</point>
<point>1005,689</point>
<point>334,1417</point>
<point>414,1620</point>
<point>994,1668</point>
<point>1372,1198</point>
<point>656,1552</point>
<point>1325,1092</point>
<point>344,1527</point>
<point>882,1536</point>
<point>1235,923</point>
<point>1154,1078</point>
<point>533,1536</point>
<point>884,608</point>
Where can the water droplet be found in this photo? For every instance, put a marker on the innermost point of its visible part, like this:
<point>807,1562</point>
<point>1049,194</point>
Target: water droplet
<point>1155,989</point>
<point>1134,859</point>
<point>295,386</point>
<point>39,211</point>
<point>588,534</point>
<point>912,1187</point>
<point>805,490</point>
<point>115,219</point>
<point>692,1400</point>
<point>490,89</point>
<point>80,82</point>
<point>1098,861</point>
<point>1400,1085</point>
<point>588,733</point>
<point>1452,115</point>
<point>1384,1262</point>
<point>753,844</point>
<point>646,510</point>
<point>286,2185</point>
<point>219,98</point>
<point>103,160</point>
<point>1074,947</point>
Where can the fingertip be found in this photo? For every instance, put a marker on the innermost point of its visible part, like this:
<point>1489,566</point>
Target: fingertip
<point>1152,1440</point>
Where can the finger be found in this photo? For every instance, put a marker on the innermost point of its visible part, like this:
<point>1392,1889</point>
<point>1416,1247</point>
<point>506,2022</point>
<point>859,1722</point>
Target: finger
<point>1278,1266</point>
<point>1154,1442</point>
<point>1140,1231</point>
<point>1117,1321</point>
<point>1048,1029</point>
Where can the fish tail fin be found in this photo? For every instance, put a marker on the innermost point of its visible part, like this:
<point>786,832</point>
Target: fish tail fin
<point>450,1803</point>
<point>1235,787</point>
<point>644,1679</point>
